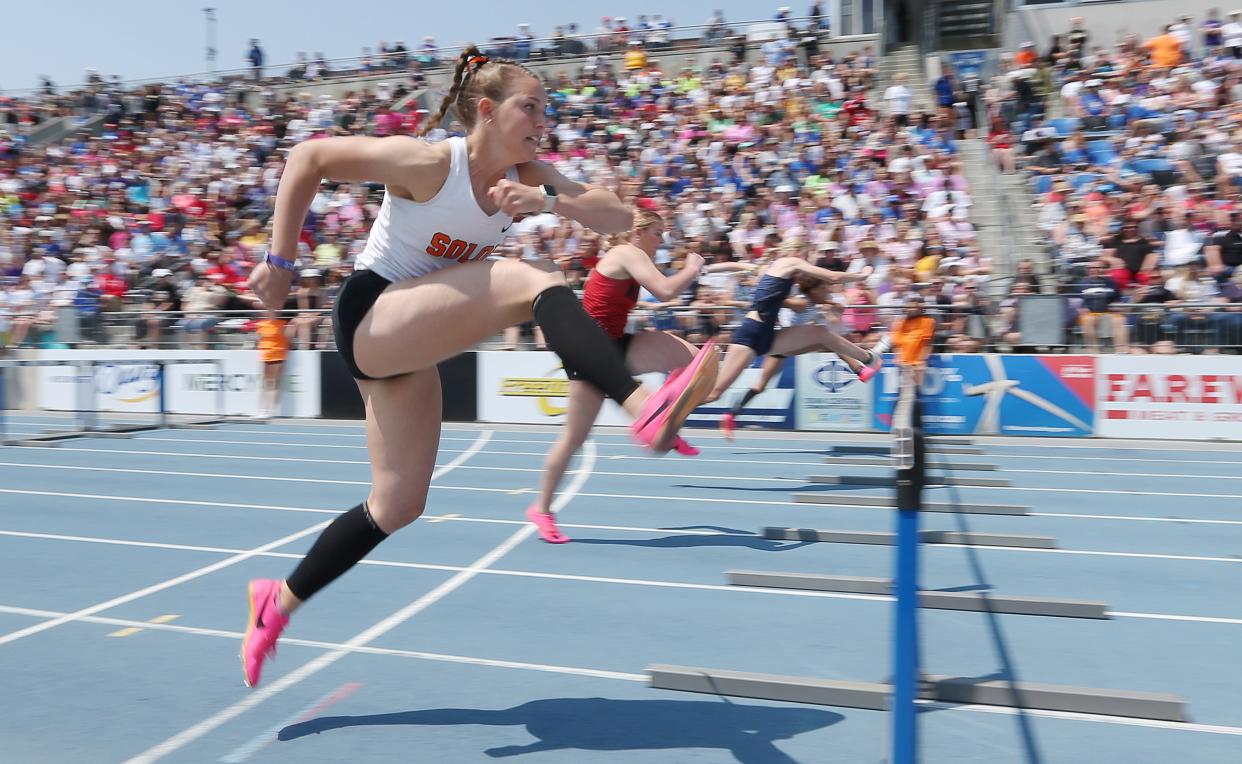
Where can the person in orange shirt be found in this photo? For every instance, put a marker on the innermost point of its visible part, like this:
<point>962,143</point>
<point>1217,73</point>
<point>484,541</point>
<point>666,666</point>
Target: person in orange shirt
<point>912,336</point>
<point>1165,49</point>
<point>1027,56</point>
<point>273,346</point>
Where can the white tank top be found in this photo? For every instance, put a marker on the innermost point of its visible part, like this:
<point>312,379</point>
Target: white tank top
<point>411,239</point>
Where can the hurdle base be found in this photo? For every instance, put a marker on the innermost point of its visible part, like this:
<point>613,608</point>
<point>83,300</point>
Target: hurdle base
<point>881,450</point>
<point>50,437</point>
<point>885,502</point>
<point>880,480</point>
<point>791,689</point>
<point>884,538</point>
<point>957,690</point>
<point>886,461</point>
<point>979,602</point>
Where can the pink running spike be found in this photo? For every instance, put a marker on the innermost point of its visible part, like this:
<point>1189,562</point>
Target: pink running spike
<point>546,523</point>
<point>871,368</point>
<point>685,449</point>
<point>264,628</point>
<point>663,413</point>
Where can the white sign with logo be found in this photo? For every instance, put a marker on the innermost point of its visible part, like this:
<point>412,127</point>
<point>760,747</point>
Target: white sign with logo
<point>830,396</point>
<point>1154,396</point>
<point>127,380</point>
<point>531,388</point>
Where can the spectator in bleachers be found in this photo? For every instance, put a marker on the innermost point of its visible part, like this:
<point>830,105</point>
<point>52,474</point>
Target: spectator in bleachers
<point>1223,253</point>
<point>1098,293</point>
<point>163,303</point>
<point>1144,173</point>
<point>1130,256</point>
<point>255,57</point>
<point>794,154</point>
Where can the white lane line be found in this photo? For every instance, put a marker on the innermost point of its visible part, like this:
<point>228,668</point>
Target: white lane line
<point>1161,452</point>
<point>1214,729</point>
<point>663,499</point>
<point>232,476</point>
<point>618,675</point>
<point>360,649</point>
<point>306,670</point>
<point>584,578</point>
<point>13,636</point>
<point>539,470</point>
<point>213,567</point>
<point>819,463</point>
<point>679,476</point>
<point>1136,518</point>
<point>816,465</point>
<point>621,528</point>
<point>172,502</point>
<point>211,549</point>
<point>1175,617</point>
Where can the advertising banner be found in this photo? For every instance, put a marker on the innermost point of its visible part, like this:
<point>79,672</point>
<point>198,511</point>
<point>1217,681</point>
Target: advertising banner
<point>531,388</point>
<point>1154,396</point>
<point>972,394</point>
<point>830,396</point>
<point>771,409</point>
<point>128,381</point>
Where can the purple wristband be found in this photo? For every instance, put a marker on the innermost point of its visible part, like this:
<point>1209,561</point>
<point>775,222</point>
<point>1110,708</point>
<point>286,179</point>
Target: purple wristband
<point>279,262</point>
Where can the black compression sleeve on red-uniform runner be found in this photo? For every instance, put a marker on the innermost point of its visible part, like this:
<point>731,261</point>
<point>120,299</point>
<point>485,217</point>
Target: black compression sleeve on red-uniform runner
<point>741,404</point>
<point>349,538</point>
<point>582,345</point>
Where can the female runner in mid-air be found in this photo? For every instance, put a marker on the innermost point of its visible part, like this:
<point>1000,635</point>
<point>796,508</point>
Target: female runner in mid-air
<point>758,335</point>
<point>425,291</point>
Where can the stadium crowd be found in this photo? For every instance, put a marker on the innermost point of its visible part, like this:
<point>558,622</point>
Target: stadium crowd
<point>144,231</point>
<point>1134,157</point>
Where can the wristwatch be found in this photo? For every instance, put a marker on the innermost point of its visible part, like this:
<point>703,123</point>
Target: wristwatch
<point>549,197</point>
<point>279,262</point>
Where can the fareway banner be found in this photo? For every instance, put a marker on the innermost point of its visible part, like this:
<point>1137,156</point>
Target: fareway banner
<point>1150,396</point>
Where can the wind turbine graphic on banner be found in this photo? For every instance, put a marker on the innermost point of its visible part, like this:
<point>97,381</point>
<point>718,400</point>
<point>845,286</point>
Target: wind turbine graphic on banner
<point>995,391</point>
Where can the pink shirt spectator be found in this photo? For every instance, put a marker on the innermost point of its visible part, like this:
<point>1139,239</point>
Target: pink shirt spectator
<point>858,320</point>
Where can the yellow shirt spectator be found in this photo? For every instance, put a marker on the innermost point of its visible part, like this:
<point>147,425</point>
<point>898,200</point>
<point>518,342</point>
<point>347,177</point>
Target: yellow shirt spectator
<point>635,59</point>
<point>327,254</point>
<point>926,266</point>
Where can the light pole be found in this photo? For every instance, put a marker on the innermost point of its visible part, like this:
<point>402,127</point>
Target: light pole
<point>210,14</point>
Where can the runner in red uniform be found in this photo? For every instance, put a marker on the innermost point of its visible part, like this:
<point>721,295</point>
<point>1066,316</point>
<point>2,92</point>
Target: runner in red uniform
<point>611,293</point>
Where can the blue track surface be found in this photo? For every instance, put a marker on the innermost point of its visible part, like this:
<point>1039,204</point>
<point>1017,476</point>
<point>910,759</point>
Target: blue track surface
<point>428,652</point>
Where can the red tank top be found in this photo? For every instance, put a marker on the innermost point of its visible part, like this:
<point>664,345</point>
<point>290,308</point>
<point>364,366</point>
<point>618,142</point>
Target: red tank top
<point>609,302</point>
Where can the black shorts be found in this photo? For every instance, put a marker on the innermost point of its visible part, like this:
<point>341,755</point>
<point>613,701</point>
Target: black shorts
<point>353,302</point>
<point>623,344</point>
<point>756,335</point>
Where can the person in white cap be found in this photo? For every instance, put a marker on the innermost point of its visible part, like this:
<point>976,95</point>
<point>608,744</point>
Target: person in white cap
<point>1233,33</point>
<point>163,303</point>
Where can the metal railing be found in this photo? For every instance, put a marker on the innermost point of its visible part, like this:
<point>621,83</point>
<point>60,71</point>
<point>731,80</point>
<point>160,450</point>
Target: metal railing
<point>983,324</point>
